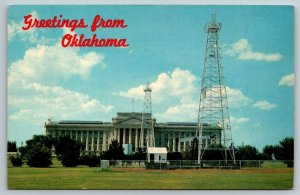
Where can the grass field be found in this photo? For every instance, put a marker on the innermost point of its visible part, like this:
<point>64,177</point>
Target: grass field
<point>93,178</point>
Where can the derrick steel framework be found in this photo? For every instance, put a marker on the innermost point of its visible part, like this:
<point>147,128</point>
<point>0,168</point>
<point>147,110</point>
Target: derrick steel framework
<point>213,105</point>
<point>147,109</point>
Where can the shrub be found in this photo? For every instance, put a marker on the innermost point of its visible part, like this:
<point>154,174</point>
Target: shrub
<point>37,151</point>
<point>91,160</point>
<point>16,160</point>
<point>39,156</point>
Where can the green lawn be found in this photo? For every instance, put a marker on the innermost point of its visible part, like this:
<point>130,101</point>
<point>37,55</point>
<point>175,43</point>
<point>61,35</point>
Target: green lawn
<point>92,178</point>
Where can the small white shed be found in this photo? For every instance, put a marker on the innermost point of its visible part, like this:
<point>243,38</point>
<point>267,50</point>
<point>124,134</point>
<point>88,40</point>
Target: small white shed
<point>157,154</point>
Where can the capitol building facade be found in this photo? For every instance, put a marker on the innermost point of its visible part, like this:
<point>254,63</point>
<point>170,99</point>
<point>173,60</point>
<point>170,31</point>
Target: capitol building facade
<point>126,129</point>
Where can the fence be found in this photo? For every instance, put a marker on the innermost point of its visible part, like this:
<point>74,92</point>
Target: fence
<point>193,164</point>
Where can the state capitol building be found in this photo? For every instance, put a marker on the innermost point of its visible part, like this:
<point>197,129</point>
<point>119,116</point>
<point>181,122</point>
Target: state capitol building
<point>126,129</point>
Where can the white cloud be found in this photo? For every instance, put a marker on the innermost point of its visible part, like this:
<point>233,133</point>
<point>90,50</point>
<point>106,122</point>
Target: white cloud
<point>238,121</point>
<point>42,101</point>
<point>236,98</point>
<point>34,91</point>
<point>12,29</point>
<point>287,80</point>
<point>264,105</point>
<point>15,28</point>
<point>187,109</point>
<point>31,36</point>
<point>53,63</point>
<point>242,49</point>
<point>179,83</point>
<point>238,124</point>
<point>182,112</point>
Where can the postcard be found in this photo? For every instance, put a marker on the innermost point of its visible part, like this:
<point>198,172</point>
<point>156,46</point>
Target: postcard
<point>150,97</point>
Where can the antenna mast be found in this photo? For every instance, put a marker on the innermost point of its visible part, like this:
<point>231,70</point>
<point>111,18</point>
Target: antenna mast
<point>213,110</point>
<point>147,129</point>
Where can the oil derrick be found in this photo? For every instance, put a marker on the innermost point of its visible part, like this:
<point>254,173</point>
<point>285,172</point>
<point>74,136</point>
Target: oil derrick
<point>213,105</point>
<point>147,138</point>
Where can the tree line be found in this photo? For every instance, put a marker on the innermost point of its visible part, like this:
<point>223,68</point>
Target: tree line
<point>39,150</point>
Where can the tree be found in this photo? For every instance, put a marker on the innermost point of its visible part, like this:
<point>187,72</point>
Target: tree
<point>287,147</point>
<point>140,154</point>
<point>213,152</point>
<point>90,159</point>
<point>270,151</point>
<point>283,151</point>
<point>16,160</point>
<point>11,146</point>
<point>175,156</point>
<point>247,153</point>
<point>286,151</point>
<point>37,151</point>
<point>39,155</point>
<point>114,152</point>
<point>68,151</point>
<point>194,150</point>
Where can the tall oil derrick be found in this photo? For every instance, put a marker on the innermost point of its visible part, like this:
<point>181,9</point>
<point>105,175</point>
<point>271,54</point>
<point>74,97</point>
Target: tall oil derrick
<point>147,120</point>
<point>213,106</point>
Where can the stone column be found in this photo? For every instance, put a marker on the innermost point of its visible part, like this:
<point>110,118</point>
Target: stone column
<point>81,136</point>
<point>190,142</point>
<point>115,134</point>
<point>129,138</point>
<point>110,135</point>
<point>168,137</point>
<point>179,143</point>
<point>98,141</point>
<point>124,136</point>
<point>142,138</point>
<point>174,142</point>
<point>87,141</point>
<point>104,141</point>
<point>93,138</point>
<point>118,135</point>
<point>71,134</point>
<point>136,138</point>
<point>150,137</point>
<point>162,140</point>
<point>184,143</point>
<point>76,135</point>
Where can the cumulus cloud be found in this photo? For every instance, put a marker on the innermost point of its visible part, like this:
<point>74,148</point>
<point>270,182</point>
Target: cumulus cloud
<point>179,83</point>
<point>181,112</point>
<point>31,36</point>
<point>242,49</point>
<point>236,98</point>
<point>53,63</point>
<point>287,80</point>
<point>237,121</point>
<point>34,85</point>
<point>264,105</point>
<point>42,101</point>
<point>238,124</point>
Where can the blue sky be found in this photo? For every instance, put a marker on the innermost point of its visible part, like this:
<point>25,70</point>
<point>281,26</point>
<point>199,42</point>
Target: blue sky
<point>166,48</point>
